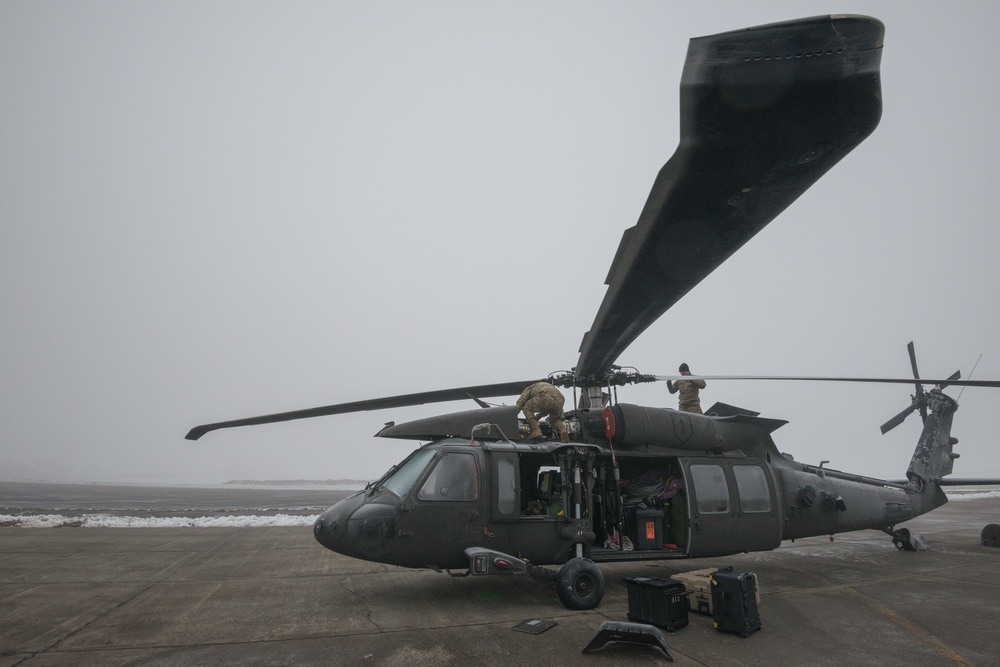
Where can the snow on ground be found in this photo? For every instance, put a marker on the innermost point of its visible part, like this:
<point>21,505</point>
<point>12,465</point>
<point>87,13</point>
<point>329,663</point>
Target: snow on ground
<point>258,521</point>
<point>115,521</point>
<point>971,494</point>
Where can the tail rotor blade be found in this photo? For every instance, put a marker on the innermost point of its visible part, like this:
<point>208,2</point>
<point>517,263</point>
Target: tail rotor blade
<point>951,378</point>
<point>898,419</point>
<point>918,397</point>
<point>913,360</point>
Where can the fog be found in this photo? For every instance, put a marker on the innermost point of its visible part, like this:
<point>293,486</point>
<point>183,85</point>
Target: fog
<point>213,210</point>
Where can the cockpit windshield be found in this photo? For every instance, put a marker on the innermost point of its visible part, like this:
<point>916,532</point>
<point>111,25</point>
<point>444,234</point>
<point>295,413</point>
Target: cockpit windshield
<point>402,480</point>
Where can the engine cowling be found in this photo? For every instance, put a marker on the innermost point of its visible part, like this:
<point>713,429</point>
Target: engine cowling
<point>627,425</point>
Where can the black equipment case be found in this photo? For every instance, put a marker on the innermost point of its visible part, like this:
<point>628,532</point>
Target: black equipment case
<point>659,602</point>
<point>649,529</point>
<point>734,601</point>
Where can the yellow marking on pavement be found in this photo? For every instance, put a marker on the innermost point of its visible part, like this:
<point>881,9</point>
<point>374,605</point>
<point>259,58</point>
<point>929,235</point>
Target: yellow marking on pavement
<point>912,628</point>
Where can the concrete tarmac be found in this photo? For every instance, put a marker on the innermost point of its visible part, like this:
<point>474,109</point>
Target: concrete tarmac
<point>273,596</point>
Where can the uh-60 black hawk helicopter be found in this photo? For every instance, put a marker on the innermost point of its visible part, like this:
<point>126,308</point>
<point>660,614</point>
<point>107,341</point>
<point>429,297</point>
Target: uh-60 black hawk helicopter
<point>764,113</point>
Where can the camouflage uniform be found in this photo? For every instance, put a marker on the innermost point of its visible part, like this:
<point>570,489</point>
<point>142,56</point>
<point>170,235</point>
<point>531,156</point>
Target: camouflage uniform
<point>688,400</point>
<point>542,399</point>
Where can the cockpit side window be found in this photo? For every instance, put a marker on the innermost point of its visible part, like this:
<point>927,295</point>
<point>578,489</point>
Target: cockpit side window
<point>402,480</point>
<point>455,478</point>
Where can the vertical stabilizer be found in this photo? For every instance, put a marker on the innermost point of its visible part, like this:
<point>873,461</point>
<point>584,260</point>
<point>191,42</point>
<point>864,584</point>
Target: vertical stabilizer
<point>933,458</point>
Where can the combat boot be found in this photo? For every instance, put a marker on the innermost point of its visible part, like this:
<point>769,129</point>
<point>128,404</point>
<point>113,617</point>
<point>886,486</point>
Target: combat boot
<point>535,433</point>
<point>564,436</point>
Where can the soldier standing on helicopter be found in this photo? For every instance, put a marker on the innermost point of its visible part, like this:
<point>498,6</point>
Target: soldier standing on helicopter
<point>688,401</point>
<point>541,399</point>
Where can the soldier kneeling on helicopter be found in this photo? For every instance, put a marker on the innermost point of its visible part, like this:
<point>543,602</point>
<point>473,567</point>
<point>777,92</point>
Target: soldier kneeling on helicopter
<point>543,399</point>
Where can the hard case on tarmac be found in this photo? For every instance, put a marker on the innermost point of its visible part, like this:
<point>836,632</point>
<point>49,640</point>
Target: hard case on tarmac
<point>734,601</point>
<point>699,588</point>
<point>659,602</point>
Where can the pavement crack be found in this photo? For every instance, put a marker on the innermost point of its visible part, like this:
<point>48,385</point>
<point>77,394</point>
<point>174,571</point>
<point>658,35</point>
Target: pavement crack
<point>87,624</point>
<point>347,584</point>
<point>159,578</point>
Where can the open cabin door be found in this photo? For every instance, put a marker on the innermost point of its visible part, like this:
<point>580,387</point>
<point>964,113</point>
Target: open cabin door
<point>733,506</point>
<point>529,513</point>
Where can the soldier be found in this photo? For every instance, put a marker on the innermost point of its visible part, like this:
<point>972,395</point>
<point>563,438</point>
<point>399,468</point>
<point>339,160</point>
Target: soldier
<point>541,399</point>
<point>688,400</point>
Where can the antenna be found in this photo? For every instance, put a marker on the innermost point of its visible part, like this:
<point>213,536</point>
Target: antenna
<point>973,372</point>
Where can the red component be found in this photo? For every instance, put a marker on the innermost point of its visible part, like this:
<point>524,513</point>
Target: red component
<point>609,423</point>
<point>500,562</point>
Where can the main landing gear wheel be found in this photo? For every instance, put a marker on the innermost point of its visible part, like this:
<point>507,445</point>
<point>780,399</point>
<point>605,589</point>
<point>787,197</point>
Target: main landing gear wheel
<point>580,584</point>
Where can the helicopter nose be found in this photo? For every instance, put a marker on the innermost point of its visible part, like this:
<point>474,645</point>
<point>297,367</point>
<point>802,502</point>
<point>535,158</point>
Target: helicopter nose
<point>358,528</point>
<point>330,527</point>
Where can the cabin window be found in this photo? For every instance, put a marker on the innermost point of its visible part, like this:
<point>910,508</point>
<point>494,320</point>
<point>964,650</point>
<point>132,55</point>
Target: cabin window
<point>752,487</point>
<point>710,489</point>
<point>506,486</point>
<point>455,478</point>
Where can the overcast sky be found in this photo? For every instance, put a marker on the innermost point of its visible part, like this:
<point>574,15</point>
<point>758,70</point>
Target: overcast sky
<point>214,210</point>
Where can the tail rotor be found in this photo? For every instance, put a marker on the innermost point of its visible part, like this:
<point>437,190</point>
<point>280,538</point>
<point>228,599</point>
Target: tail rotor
<point>919,398</point>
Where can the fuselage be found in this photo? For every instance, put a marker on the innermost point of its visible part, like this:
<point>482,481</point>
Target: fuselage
<point>689,486</point>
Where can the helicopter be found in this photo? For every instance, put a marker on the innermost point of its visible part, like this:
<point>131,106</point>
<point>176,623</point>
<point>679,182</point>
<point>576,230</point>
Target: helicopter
<point>764,113</point>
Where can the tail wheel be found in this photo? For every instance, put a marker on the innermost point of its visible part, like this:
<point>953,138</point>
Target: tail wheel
<point>580,584</point>
<point>901,540</point>
<point>991,535</point>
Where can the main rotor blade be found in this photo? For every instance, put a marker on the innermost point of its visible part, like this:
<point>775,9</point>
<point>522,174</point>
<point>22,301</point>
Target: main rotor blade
<point>764,113</point>
<point>439,396</point>
<point>995,384</point>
